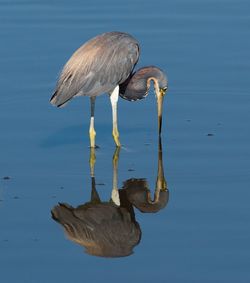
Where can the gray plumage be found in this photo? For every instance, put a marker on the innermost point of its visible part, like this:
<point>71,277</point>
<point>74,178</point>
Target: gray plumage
<point>102,228</point>
<point>138,194</point>
<point>97,67</point>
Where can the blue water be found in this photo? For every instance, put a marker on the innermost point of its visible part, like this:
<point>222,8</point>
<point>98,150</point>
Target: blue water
<point>202,235</point>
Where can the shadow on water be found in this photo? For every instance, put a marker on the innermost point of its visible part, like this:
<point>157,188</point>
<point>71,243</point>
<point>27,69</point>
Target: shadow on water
<point>110,229</point>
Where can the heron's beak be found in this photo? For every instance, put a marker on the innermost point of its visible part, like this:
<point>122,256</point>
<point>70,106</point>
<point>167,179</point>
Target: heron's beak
<point>160,95</point>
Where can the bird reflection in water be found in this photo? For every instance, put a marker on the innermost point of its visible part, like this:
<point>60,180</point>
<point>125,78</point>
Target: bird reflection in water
<point>109,229</point>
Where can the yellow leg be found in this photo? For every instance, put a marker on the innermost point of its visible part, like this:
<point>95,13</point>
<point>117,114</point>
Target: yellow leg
<point>114,99</point>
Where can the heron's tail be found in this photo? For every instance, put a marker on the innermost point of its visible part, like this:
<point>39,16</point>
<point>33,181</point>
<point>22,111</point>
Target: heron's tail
<point>53,99</point>
<point>62,213</point>
<point>57,101</point>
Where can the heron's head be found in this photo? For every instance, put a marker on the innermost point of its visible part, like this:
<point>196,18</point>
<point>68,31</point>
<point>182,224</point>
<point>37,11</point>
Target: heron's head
<point>160,82</point>
<point>138,194</point>
<point>137,86</point>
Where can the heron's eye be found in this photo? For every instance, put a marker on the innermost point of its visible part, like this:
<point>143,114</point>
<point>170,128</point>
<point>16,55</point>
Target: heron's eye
<point>163,90</point>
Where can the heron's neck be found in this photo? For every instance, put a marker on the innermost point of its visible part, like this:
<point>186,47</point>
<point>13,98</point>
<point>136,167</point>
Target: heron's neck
<point>155,82</point>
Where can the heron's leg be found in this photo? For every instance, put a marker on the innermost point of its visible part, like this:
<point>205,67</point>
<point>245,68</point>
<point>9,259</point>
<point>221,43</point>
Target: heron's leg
<point>114,99</point>
<point>115,193</point>
<point>92,132</point>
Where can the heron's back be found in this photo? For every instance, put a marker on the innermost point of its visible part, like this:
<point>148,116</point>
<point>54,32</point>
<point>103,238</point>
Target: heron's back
<point>103,229</point>
<point>97,66</point>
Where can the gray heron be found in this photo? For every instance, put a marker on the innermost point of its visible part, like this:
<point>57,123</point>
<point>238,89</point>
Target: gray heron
<point>105,64</point>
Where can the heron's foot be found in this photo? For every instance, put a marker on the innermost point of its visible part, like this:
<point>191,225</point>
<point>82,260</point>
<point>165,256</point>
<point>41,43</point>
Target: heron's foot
<point>116,138</point>
<point>95,147</point>
<point>92,135</point>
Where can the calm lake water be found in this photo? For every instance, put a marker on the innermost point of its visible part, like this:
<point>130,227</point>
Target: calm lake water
<point>201,233</point>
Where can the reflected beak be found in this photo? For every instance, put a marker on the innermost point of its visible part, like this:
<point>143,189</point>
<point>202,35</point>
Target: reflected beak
<point>160,96</point>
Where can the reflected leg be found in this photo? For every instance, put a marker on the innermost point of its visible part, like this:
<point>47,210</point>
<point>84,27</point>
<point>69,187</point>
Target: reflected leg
<point>115,193</point>
<point>92,160</point>
<point>92,132</point>
<point>94,194</point>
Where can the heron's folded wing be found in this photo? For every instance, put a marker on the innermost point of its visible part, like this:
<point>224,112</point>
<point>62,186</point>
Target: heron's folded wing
<point>97,67</point>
